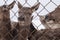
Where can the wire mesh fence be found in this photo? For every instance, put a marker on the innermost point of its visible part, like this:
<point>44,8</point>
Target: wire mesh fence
<point>21,19</point>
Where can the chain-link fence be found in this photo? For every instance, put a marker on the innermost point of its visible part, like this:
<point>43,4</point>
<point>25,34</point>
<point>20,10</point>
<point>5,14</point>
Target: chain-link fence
<point>9,20</point>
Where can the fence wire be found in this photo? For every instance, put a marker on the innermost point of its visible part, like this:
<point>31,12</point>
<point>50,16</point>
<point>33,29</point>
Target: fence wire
<point>40,32</point>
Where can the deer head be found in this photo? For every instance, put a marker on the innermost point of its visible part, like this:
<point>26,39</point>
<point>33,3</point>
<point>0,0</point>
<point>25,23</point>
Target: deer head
<point>54,15</point>
<point>52,19</point>
<point>25,14</point>
<point>25,18</point>
<point>5,11</point>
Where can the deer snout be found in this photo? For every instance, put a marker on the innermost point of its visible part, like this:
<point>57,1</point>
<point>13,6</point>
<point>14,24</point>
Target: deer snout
<point>21,18</point>
<point>4,10</point>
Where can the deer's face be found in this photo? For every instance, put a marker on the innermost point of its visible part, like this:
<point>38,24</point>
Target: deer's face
<point>49,21</point>
<point>54,15</point>
<point>5,11</point>
<point>25,14</point>
<point>47,18</point>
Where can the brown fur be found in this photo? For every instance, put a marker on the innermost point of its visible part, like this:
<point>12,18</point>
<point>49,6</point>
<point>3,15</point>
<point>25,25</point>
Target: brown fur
<point>46,34</point>
<point>5,25</point>
<point>52,23</point>
<point>54,15</point>
<point>24,21</point>
<point>51,20</point>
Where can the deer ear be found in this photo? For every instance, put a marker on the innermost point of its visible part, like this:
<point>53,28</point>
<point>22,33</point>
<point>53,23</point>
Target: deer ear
<point>19,5</point>
<point>11,5</point>
<point>35,7</point>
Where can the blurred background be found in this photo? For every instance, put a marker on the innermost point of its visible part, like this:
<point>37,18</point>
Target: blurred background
<point>45,7</point>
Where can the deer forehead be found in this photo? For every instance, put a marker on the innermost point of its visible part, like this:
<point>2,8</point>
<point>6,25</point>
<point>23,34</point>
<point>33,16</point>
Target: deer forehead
<point>25,10</point>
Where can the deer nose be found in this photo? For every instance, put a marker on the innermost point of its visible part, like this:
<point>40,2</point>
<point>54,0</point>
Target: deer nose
<point>21,18</point>
<point>4,10</point>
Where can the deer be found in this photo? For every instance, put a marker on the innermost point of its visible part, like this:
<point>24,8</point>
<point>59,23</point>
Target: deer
<point>51,20</point>
<point>24,24</point>
<point>46,34</point>
<point>5,23</point>
<point>52,23</point>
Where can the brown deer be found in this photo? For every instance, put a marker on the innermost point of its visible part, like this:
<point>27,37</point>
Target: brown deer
<point>51,20</point>
<point>5,23</point>
<point>15,33</point>
<point>46,34</point>
<point>52,23</point>
<point>24,21</point>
